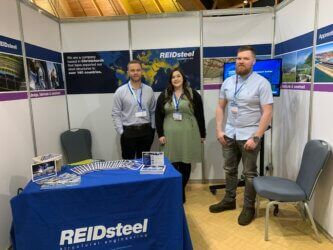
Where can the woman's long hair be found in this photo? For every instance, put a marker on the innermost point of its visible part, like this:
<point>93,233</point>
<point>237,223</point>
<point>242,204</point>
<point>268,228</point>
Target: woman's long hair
<point>170,88</point>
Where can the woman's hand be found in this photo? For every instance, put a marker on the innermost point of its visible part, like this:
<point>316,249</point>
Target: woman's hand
<point>162,140</point>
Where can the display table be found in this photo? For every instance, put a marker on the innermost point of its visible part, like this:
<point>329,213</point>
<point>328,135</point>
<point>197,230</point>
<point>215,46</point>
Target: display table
<point>114,209</point>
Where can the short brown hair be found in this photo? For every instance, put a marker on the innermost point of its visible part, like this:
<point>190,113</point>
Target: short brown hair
<point>247,48</point>
<point>134,62</point>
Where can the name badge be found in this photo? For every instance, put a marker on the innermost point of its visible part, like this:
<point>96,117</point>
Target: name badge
<point>177,116</point>
<point>142,113</point>
<point>234,109</point>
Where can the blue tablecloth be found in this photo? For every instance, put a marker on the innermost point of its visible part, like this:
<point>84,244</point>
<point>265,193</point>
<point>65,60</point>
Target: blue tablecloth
<point>115,209</point>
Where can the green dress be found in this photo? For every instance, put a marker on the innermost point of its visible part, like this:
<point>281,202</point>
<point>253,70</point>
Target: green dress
<point>183,142</point>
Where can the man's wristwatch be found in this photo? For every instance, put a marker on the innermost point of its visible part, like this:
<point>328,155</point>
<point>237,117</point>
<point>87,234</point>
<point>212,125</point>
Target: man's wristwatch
<point>256,139</point>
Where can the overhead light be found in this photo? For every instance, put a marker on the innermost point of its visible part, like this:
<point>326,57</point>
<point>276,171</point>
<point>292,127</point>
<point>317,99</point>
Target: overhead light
<point>40,11</point>
<point>245,2</point>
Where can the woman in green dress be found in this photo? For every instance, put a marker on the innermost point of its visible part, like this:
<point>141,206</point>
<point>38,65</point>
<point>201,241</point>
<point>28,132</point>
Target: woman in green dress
<point>180,124</point>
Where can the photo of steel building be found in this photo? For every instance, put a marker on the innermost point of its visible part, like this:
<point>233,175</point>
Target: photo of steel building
<point>11,73</point>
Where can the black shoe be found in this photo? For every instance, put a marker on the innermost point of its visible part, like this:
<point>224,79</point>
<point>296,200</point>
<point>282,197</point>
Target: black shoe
<point>222,206</point>
<point>246,216</point>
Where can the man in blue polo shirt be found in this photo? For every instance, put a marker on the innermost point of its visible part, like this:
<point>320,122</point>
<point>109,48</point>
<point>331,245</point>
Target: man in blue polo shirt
<point>133,113</point>
<point>249,102</point>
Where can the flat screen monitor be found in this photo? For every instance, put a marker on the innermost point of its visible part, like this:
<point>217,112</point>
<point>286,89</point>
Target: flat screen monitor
<point>271,69</point>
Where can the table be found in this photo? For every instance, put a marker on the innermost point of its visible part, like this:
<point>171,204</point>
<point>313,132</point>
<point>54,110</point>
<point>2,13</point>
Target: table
<point>114,209</point>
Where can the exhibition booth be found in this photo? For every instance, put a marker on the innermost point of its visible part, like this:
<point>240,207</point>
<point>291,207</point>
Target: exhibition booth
<point>57,75</point>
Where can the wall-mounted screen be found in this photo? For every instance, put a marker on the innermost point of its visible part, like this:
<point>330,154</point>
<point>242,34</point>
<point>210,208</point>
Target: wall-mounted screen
<point>271,69</point>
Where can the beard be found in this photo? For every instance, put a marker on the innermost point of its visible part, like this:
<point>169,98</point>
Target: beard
<point>135,78</point>
<point>242,70</point>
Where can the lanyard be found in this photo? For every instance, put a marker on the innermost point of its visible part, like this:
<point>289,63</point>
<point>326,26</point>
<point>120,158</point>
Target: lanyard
<point>134,95</point>
<point>176,102</point>
<point>237,91</point>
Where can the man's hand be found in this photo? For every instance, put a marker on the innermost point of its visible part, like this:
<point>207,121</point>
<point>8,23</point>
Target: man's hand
<point>250,144</point>
<point>162,140</point>
<point>220,137</point>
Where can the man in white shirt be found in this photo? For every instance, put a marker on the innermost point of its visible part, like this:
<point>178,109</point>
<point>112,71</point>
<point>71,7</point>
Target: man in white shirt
<point>248,101</point>
<point>133,113</point>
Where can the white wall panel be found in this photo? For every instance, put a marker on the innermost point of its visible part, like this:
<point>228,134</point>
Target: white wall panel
<point>9,20</point>
<point>295,19</point>
<point>213,149</point>
<point>322,120</point>
<point>16,149</point>
<point>49,113</point>
<point>16,145</point>
<point>40,30</point>
<point>325,13</point>
<point>290,130</point>
<point>291,112</point>
<point>291,109</point>
<point>93,111</point>
<point>166,32</point>
<point>50,120</point>
<point>95,36</point>
<point>238,30</point>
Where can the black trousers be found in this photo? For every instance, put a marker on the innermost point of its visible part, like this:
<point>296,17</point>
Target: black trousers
<point>185,170</point>
<point>136,140</point>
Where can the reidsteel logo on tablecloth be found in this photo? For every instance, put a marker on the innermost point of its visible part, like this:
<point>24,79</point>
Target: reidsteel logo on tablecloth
<point>101,235</point>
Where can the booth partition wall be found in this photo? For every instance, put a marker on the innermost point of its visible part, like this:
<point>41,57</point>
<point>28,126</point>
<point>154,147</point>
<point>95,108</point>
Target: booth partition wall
<point>61,74</point>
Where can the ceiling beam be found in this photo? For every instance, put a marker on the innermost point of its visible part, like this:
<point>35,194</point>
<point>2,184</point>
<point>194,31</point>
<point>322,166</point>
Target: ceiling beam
<point>100,13</point>
<point>66,8</point>
<point>79,2</point>
<point>199,4</point>
<point>178,6</point>
<point>224,4</point>
<point>143,6</point>
<point>158,6</point>
<point>191,5</point>
<point>54,9</point>
<point>126,6</point>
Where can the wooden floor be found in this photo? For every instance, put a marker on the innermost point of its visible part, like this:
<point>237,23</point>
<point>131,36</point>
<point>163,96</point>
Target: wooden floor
<point>221,231</point>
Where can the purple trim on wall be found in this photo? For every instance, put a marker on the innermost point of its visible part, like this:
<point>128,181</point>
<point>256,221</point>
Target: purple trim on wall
<point>327,87</point>
<point>47,93</point>
<point>211,86</point>
<point>296,86</point>
<point>10,96</point>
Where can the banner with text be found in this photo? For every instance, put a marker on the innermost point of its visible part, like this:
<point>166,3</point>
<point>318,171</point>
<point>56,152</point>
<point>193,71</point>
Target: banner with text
<point>297,54</point>
<point>323,77</point>
<point>44,72</point>
<point>158,63</point>
<point>95,72</point>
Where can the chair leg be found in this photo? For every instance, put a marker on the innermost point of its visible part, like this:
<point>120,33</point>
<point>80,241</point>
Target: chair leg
<point>268,206</point>
<point>312,221</point>
<point>301,209</point>
<point>257,206</point>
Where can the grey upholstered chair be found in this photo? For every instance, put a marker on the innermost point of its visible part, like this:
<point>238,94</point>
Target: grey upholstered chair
<point>315,156</point>
<point>76,144</point>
